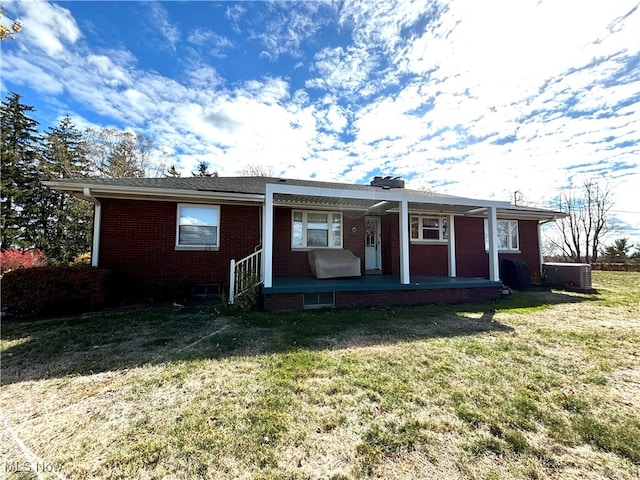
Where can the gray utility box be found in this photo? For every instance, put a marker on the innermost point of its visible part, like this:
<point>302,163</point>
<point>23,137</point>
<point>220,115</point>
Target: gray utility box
<point>574,275</point>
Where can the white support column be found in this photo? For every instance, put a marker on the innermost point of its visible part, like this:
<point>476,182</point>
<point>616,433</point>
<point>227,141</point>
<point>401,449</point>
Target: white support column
<point>97,223</point>
<point>452,247</point>
<point>540,255</point>
<point>97,220</point>
<point>267,239</point>
<point>405,277</point>
<point>492,224</point>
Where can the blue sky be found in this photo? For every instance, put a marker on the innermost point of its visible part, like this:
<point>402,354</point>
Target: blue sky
<point>479,99</point>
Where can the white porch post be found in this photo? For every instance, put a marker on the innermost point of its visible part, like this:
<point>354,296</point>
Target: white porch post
<point>267,239</point>
<point>452,247</point>
<point>405,277</point>
<point>540,255</point>
<point>492,224</point>
<point>97,221</point>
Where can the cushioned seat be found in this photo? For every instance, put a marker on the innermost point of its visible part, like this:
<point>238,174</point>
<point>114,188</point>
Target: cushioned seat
<point>334,263</point>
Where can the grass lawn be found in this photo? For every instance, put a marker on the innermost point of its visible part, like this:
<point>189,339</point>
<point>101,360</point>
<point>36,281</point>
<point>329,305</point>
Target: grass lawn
<point>542,384</point>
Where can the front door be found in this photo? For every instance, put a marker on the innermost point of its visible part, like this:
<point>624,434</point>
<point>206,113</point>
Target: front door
<point>372,251</point>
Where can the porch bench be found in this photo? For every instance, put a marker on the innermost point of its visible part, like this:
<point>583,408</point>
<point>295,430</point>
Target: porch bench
<point>333,263</point>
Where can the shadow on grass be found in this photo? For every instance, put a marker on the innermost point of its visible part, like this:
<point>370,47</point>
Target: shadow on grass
<point>90,344</point>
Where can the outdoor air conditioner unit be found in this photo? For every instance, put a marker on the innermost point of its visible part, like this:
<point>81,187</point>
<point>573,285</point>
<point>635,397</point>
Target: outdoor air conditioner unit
<point>573,275</point>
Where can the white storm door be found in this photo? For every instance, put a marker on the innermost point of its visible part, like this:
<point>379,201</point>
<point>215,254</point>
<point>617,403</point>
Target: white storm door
<point>372,251</point>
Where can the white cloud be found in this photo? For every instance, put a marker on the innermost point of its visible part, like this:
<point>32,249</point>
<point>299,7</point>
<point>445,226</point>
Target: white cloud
<point>339,69</point>
<point>288,26</point>
<point>110,73</point>
<point>215,44</point>
<point>235,12</point>
<point>267,91</point>
<point>167,27</point>
<point>46,26</point>
<point>203,77</point>
<point>19,70</point>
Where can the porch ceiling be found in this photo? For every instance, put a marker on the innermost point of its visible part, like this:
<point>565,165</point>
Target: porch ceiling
<point>322,202</point>
<point>373,206</point>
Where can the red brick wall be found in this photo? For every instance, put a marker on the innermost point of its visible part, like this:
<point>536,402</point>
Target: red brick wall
<point>294,301</point>
<point>138,238</point>
<point>471,258</point>
<point>390,244</point>
<point>354,241</point>
<point>423,259</point>
<point>416,297</point>
<point>529,248</point>
<point>473,261</point>
<point>428,259</point>
<point>292,263</point>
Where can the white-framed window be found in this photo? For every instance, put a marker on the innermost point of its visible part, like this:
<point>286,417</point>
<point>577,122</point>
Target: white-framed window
<point>315,229</point>
<point>429,229</point>
<point>508,237</point>
<point>198,227</point>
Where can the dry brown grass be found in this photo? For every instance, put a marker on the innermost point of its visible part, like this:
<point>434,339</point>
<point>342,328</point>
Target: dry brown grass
<point>541,385</point>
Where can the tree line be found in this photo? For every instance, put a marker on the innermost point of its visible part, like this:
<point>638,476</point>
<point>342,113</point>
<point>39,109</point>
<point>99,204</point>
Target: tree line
<point>34,216</point>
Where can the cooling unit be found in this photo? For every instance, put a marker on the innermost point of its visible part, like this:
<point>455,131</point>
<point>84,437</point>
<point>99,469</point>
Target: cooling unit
<point>574,275</point>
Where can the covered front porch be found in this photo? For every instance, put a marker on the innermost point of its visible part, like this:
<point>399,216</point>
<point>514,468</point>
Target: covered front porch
<point>373,203</point>
<point>295,293</point>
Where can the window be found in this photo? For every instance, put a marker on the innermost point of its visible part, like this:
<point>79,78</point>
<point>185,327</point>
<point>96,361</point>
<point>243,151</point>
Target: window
<point>318,299</point>
<point>312,229</point>
<point>198,227</point>
<point>429,229</point>
<point>507,235</point>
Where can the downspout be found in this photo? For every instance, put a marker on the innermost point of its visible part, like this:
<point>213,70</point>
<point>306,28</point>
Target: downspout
<point>97,220</point>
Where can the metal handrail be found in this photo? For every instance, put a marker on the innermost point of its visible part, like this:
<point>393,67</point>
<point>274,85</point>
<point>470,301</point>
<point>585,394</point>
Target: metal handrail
<point>244,275</point>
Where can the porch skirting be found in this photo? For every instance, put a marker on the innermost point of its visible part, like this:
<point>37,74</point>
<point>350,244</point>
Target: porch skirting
<point>298,293</point>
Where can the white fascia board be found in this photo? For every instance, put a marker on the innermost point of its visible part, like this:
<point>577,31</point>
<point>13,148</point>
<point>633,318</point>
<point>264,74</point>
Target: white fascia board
<point>512,214</point>
<point>391,195</point>
<point>523,215</point>
<point>117,191</point>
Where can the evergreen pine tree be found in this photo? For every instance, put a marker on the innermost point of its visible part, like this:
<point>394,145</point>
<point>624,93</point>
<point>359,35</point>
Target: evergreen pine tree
<point>172,172</point>
<point>66,221</point>
<point>19,152</point>
<point>203,171</point>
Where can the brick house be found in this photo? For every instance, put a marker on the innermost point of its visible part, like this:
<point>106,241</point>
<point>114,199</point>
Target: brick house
<point>413,247</point>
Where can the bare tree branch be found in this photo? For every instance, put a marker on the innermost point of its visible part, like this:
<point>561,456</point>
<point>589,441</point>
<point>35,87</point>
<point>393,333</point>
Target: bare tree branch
<point>588,221</point>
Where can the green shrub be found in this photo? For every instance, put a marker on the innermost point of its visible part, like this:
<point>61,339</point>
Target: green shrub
<point>46,291</point>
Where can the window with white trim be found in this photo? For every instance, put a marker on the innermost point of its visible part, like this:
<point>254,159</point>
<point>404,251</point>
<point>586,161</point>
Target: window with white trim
<point>198,227</point>
<point>508,237</point>
<point>315,229</point>
<point>429,229</point>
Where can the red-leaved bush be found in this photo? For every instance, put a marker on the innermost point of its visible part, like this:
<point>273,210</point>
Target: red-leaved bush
<point>14,259</point>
